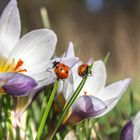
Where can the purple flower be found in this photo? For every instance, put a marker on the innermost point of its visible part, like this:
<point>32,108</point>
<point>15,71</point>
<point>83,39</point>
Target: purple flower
<point>131,130</point>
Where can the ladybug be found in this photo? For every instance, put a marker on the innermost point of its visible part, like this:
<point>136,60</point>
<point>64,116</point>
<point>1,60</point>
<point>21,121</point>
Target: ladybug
<point>61,70</point>
<point>83,69</point>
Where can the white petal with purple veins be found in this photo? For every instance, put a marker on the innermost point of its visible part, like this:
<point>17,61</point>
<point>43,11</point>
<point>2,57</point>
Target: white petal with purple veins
<point>88,106</point>
<point>17,84</point>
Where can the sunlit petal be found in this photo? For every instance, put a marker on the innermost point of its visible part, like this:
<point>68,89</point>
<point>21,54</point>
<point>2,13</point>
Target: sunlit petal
<point>35,47</point>
<point>97,80</point>
<point>112,94</point>
<point>9,28</point>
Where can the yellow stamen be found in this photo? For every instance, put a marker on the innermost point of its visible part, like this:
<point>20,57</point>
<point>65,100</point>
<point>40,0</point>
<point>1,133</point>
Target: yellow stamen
<point>6,66</point>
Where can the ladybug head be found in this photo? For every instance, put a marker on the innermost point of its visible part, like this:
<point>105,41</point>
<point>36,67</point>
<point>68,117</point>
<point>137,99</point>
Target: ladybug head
<point>55,63</point>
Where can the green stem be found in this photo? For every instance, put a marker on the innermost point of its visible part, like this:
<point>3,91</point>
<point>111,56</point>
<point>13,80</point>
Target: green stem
<point>44,118</point>
<point>131,104</point>
<point>70,102</point>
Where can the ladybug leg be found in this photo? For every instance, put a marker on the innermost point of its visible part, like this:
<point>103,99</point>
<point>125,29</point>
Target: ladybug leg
<point>90,74</point>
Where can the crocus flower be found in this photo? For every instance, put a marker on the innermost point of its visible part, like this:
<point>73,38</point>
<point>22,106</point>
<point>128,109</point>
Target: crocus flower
<point>131,131</point>
<point>22,60</point>
<point>59,100</point>
<point>95,99</point>
<point>67,55</point>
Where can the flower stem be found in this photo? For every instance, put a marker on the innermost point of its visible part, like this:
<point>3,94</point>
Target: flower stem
<point>70,102</point>
<point>44,118</point>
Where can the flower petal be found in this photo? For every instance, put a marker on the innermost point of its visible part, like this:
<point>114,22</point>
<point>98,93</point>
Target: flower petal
<point>9,27</point>
<point>97,80</point>
<point>44,78</point>
<point>5,77</point>
<point>68,88</point>
<point>127,132</point>
<point>17,84</point>
<point>34,48</point>
<point>86,107</point>
<point>60,87</point>
<point>69,61</point>
<point>70,52</point>
<point>112,93</point>
<point>136,124</point>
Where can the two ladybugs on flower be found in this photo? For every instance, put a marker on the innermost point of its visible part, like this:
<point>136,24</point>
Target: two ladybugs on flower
<point>26,67</point>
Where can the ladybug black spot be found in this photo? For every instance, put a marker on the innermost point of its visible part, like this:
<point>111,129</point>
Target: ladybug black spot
<point>66,72</point>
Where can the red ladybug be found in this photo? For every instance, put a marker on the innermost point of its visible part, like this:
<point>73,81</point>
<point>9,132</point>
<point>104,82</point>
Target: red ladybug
<point>61,70</point>
<point>83,69</point>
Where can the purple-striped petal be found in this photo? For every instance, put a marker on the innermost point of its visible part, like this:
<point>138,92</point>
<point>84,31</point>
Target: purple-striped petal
<point>86,107</point>
<point>17,84</point>
<point>5,77</point>
<point>127,131</point>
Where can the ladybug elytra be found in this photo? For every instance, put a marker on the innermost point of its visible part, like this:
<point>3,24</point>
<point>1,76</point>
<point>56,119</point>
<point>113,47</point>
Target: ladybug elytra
<point>83,69</point>
<point>61,70</point>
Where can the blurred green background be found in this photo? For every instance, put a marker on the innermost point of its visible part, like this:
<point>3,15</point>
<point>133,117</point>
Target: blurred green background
<point>94,26</point>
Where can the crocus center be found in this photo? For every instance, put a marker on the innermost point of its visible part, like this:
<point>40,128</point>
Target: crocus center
<point>13,66</point>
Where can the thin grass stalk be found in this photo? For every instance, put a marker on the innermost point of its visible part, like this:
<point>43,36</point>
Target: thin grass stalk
<point>46,113</point>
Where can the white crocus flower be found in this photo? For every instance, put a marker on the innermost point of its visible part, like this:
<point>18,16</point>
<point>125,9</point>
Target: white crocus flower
<point>131,131</point>
<point>23,60</point>
<point>95,99</point>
